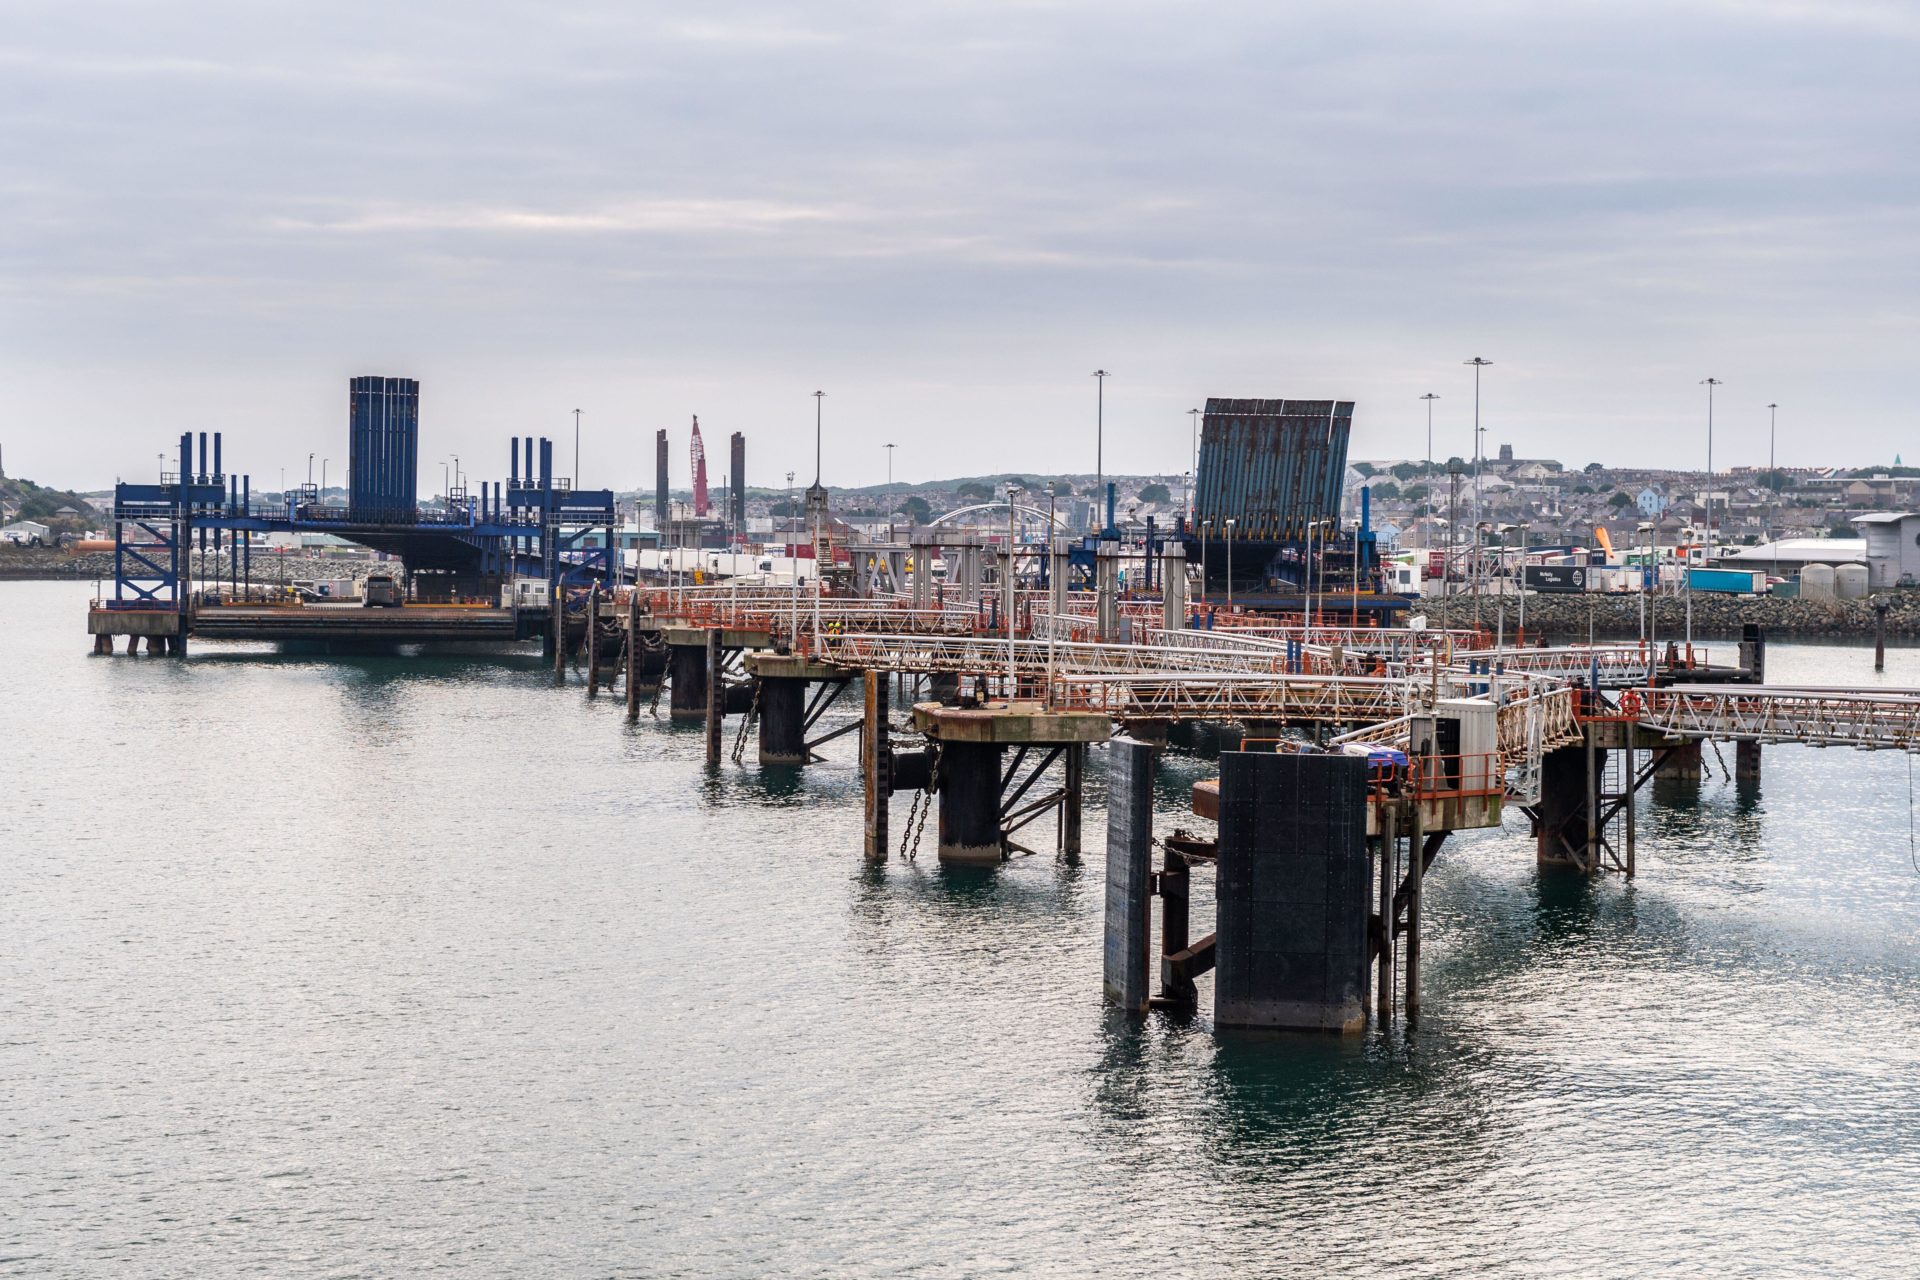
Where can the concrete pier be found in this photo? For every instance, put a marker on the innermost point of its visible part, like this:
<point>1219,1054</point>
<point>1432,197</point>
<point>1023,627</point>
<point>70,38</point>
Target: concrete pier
<point>970,803</point>
<point>1682,762</point>
<point>783,720</point>
<point>976,823</point>
<point>1560,827</point>
<point>1293,892</point>
<point>687,674</point>
<point>1129,898</point>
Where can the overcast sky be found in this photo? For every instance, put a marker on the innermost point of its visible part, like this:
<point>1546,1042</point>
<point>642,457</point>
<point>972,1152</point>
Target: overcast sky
<point>947,214</point>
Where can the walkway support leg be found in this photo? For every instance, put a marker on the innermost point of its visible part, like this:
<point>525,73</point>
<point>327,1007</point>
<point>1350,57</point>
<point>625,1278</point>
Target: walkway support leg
<point>1074,763</point>
<point>970,803</point>
<point>593,641</point>
<point>783,711</point>
<point>1129,935</point>
<point>1416,880</point>
<point>1387,883</point>
<point>633,654</point>
<point>876,764</point>
<point>716,695</point>
<point>688,696</point>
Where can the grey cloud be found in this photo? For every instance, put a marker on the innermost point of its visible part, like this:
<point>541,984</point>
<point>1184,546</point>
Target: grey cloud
<point>949,213</point>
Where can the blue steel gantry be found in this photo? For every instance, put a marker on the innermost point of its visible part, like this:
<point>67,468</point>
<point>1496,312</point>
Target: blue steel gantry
<point>533,525</point>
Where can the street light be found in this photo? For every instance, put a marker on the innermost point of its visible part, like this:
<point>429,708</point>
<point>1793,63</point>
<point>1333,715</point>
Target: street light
<point>309,469</point>
<point>1206,527</point>
<point>576,448</point>
<point>818,398</point>
<point>1427,475</point>
<point>1709,384</point>
<point>1653,563</point>
<point>889,466</point>
<point>1230,522</point>
<point>1773,478</point>
<point>1194,416</point>
<point>1478,432</point>
<point>1100,377</point>
<point>1013,491</point>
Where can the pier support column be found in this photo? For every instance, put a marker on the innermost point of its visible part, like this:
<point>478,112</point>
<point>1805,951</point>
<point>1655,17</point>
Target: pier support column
<point>687,667</point>
<point>970,803</point>
<point>1074,765</point>
<point>716,695</point>
<point>1560,827</point>
<point>103,644</point>
<point>1746,760</point>
<point>876,763</point>
<point>593,641</point>
<point>632,654</point>
<point>1682,762</point>
<point>1293,890</point>
<point>783,715</point>
<point>1129,922</point>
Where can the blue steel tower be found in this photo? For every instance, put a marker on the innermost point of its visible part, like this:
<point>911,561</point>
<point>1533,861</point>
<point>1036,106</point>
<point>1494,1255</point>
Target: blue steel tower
<point>383,450</point>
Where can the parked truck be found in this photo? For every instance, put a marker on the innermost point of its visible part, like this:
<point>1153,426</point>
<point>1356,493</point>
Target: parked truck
<point>382,591</point>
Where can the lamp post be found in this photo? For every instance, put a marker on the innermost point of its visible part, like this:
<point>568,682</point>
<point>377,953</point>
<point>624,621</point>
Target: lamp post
<point>818,397</point>
<point>323,480</point>
<point>1427,475</point>
<point>1709,384</point>
<point>1478,364</point>
<point>889,449</point>
<point>1649,561</point>
<point>1206,527</point>
<point>576,448</point>
<point>309,468</point>
<point>1100,377</point>
<point>1230,523</point>
<point>790,524</point>
<point>1194,416</point>
<point>1013,491</point>
<point>1773,478</point>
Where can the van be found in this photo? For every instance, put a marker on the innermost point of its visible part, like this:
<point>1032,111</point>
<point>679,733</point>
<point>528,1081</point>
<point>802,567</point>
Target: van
<point>382,591</point>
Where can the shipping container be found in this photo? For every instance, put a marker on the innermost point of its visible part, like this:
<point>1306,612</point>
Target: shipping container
<point>1738,582</point>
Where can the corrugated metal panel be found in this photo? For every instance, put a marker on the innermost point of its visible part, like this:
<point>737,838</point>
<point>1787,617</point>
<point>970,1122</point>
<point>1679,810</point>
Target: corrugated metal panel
<point>383,448</point>
<point>1271,466</point>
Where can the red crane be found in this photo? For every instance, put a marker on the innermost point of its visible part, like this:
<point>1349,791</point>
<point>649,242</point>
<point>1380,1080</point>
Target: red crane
<point>699,471</point>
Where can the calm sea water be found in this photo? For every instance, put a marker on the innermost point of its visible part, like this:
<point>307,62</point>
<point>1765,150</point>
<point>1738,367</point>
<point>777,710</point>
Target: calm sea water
<point>404,966</point>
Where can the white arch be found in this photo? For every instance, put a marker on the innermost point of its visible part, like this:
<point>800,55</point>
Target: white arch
<point>1030,515</point>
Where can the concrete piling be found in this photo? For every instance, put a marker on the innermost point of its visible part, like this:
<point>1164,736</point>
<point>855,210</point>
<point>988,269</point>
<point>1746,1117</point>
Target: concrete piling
<point>593,641</point>
<point>970,803</point>
<point>1129,894</point>
<point>687,669</point>
<point>783,711</point>
<point>633,653</point>
<point>716,708</point>
<point>876,764</point>
<point>1293,890</point>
